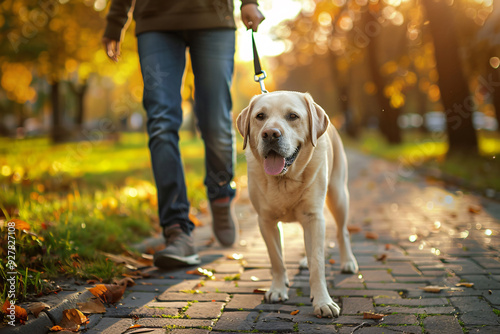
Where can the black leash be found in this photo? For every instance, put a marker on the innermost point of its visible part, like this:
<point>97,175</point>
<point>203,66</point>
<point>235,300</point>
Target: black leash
<point>260,74</point>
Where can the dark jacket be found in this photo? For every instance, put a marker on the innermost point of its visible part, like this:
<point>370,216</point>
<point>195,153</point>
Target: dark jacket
<point>164,15</point>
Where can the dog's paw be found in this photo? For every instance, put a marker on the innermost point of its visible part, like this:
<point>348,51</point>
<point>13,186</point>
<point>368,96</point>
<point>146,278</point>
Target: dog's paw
<point>349,267</point>
<point>303,263</point>
<point>326,308</point>
<point>277,294</point>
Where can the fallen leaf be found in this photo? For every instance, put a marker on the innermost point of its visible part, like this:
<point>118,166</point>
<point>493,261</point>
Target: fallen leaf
<point>146,283</point>
<point>135,326</point>
<point>235,256</point>
<point>433,288</point>
<point>19,312</point>
<point>466,284</point>
<point>20,224</point>
<point>72,320</point>
<point>387,246</point>
<point>126,281</point>
<point>474,208</point>
<point>371,315</point>
<point>56,328</point>
<point>490,292</point>
<point>94,305</point>
<point>371,235</point>
<point>382,257</point>
<point>37,307</point>
<point>353,229</point>
<point>295,312</point>
<point>195,220</point>
<point>331,261</point>
<point>108,293</point>
<point>260,291</point>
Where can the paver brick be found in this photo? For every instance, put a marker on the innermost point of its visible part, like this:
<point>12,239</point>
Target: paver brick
<point>356,305</point>
<point>384,330</point>
<point>111,326</point>
<point>201,297</point>
<point>442,324</point>
<point>244,302</point>
<point>236,321</point>
<point>316,329</point>
<point>163,322</point>
<point>412,302</point>
<point>205,310</point>
<point>275,322</point>
<point>399,319</point>
<point>415,310</point>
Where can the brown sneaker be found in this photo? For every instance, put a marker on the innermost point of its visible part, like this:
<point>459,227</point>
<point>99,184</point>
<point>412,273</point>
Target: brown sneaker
<point>180,250</point>
<point>225,224</point>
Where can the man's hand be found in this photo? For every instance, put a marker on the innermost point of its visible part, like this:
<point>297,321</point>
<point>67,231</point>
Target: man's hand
<point>112,48</point>
<point>251,16</point>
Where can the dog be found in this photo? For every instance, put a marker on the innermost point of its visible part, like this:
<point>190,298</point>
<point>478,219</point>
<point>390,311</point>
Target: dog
<point>296,162</point>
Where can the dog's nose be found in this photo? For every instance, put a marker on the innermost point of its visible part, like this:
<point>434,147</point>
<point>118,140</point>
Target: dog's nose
<point>271,135</point>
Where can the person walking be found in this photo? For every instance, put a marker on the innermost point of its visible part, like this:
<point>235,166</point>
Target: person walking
<point>164,30</point>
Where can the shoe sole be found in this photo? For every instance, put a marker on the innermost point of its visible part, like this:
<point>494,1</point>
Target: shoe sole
<point>172,261</point>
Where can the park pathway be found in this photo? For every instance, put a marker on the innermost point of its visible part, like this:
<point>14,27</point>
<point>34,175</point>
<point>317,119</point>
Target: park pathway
<point>408,232</point>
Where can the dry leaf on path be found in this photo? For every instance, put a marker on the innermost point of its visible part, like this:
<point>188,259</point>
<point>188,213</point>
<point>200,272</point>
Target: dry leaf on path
<point>466,284</point>
<point>382,257</point>
<point>126,281</point>
<point>19,312</point>
<point>295,312</point>
<point>387,246</point>
<point>371,235</point>
<point>353,229</point>
<point>94,305</point>
<point>108,293</point>
<point>331,261</point>
<point>371,315</point>
<point>434,288</point>
<point>195,220</point>
<point>37,307</point>
<point>474,208</point>
<point>260,291</point>
<point>71,321</point>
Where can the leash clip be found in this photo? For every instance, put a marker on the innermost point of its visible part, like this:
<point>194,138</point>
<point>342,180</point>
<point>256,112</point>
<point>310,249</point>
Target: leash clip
<point>260,79</point>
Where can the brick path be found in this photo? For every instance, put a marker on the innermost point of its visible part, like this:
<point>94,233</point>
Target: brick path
<point>422,234</point>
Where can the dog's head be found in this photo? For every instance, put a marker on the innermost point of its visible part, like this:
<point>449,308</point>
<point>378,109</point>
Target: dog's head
<point>280,126</point>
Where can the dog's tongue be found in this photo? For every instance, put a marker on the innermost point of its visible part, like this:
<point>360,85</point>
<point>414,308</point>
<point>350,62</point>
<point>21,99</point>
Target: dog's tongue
<point>274,163</point>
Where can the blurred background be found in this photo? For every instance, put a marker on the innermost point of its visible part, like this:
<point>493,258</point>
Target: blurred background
<point>414,81</point>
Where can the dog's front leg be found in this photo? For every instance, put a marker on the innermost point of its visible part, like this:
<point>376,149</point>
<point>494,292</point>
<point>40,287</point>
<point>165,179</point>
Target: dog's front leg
<point>314,238</point>
<point>272,236</point>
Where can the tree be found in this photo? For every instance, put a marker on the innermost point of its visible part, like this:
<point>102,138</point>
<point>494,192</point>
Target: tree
<point>455,96</point>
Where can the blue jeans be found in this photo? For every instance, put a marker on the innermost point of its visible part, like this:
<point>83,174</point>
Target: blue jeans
<point>162,58</point>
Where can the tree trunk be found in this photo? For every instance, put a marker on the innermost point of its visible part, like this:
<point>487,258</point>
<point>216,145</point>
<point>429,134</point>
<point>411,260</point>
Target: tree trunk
<point>494,74</point>
<point>341,80</point>
<point>388,116</point>
<point>455,96</point>
<point>58,133</point>
<point>79,92</point>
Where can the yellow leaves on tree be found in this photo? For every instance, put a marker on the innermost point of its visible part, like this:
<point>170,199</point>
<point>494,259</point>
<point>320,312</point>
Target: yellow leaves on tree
<point>16,80</point>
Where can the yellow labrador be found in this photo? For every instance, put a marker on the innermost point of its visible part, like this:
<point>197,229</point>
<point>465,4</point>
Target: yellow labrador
<point>296,161</point>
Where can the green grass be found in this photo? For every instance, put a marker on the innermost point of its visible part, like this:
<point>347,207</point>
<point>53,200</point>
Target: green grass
<point>427,150</point>
<point>81,198</point>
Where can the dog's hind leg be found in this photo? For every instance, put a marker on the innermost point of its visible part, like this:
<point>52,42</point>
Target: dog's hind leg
<point>338,203</point>
<point>272,236</point>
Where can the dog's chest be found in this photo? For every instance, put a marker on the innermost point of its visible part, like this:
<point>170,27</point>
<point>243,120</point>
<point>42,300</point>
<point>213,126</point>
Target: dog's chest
<point>281,200</point>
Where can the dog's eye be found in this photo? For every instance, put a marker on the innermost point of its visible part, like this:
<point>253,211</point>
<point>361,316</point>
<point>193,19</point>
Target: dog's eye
<point>293,116</point>
<point>260,116</point>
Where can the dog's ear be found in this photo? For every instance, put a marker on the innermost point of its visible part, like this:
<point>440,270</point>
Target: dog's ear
<point>243,123</point>
<point>318,119</point>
